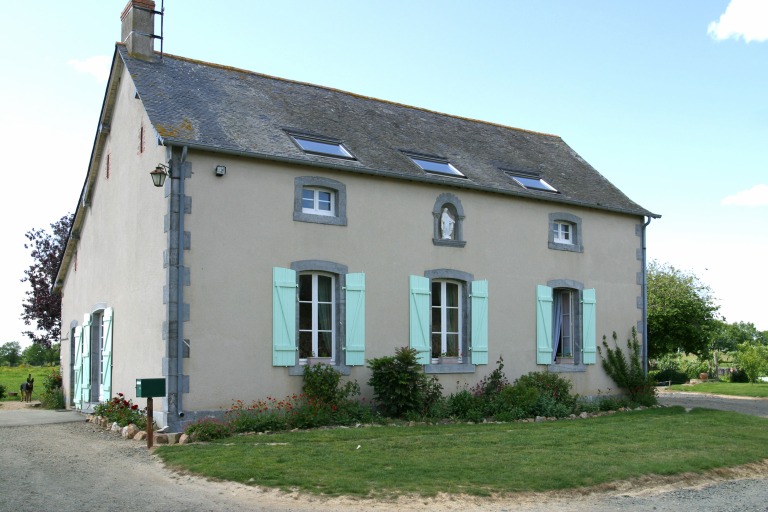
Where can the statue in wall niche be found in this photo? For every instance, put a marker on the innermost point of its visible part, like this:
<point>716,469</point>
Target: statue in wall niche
<point>446,225</point>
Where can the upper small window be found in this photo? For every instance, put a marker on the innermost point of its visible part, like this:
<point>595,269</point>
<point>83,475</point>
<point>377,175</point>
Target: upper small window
<point>436,165</point>
<point>320,146</point>
<point>563,232</point>
<point>530,181</point>
<point>318,201</point>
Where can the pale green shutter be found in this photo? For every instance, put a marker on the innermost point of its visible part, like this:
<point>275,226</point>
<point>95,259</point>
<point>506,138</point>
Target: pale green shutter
<point>85,382</point>
<point>589,332</point>
<point>283,317</point>
<point>355,319</point>
<point>78,384</point>
<point>479,305</point>
<point>543,325</point>
<point>419,318</point>
<point>106,357</point>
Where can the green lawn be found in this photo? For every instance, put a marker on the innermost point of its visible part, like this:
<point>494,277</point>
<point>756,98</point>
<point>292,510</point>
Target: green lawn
<point>12,378</point>
<point>482,459</point>
<point>759,390</point>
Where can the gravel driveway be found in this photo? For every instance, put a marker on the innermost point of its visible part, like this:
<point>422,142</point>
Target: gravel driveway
<point>78,467</point>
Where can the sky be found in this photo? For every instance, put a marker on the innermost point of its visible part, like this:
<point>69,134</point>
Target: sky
<point>668,100</point>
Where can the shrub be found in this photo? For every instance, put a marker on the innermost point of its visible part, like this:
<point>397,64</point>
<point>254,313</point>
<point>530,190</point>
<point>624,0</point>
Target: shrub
<point>465,406</point>
<point>121,411</point>
<point>262,415</point>
<point>517,402</point>
<point>553,387</point>
<point>208,429</point>
<point>693,368</point>
<point>2,392</point>
<point>673,376</point>
<point>628,373</point>
<point>738,375</point>
<point>52,396</point>
<point>321,382</point>
<point>400,386</point>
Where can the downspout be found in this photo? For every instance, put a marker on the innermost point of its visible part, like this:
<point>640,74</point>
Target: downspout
<point>645,297</point>
<point>180,291</point>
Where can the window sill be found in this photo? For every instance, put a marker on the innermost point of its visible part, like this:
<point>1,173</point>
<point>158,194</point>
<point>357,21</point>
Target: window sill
<point>449,368</point>
<point>298,370</point>
<point>319,219</point>
<point>566,247</point>
<point>566,368</point>
<point>449,243</point>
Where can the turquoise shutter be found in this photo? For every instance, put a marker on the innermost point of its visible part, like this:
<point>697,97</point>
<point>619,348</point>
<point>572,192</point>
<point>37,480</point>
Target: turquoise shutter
<point>479,305</point>
<point>419,318</point>
<point>589,332</point>
<point>543,325</point>
<point>283,317</point>
<point>78,384</point>
<point>85,382</point>
<point>355,319</point>
<point>106,357</point>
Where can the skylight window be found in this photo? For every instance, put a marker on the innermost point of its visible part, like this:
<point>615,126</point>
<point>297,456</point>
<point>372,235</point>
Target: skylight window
<point>320,146</point>
<point>530,181</point>
<point>436,166</point>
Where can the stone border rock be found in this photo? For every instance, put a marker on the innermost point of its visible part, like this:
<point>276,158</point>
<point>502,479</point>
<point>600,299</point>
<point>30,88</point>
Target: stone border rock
<point>133,432</point>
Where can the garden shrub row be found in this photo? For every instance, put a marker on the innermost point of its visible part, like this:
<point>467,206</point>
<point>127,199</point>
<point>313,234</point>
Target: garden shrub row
<point>402,391</point>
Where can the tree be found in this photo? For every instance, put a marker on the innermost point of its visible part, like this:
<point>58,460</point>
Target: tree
<point>10,353</point>
<point>752,359</point>
<point>41,305</point>
<point>682,314</point>
<point>37,355</point>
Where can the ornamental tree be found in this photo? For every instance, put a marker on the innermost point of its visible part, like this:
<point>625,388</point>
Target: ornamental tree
<point>682,314</point>
<point>41,305</point>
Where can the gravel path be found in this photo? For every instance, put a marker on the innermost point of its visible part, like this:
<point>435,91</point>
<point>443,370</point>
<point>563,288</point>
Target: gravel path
<point>76,466</point>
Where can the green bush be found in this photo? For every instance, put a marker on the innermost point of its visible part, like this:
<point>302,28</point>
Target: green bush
<point>52,396</point>
<point>555,389</point>
<point>465,406</point>
<point>2,392</point>
<point>740,376</point>
<point>400,386</point>
<point>322,383</point>
<point>628,373</point>
<point>675,376</point>
<point>517,402</point>
<point>692,368</point>
<point>208,429</point>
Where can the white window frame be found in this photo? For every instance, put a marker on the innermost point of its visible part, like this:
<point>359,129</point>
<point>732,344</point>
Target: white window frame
<point>316,201</point>
<point>563,232</point>
<point>444,310</point>
<point>314,328</point>
<point>97,347</point>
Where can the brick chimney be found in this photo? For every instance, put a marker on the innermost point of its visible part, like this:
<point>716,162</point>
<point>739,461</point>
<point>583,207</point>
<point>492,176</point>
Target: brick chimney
<point>138,27</point>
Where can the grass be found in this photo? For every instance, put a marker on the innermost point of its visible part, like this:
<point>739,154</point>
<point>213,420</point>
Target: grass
<point>483,459</point>
<point>758,390</point>
<point>12,378</point>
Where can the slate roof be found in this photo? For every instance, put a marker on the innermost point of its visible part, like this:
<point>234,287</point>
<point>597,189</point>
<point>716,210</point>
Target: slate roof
<point>217,108</point>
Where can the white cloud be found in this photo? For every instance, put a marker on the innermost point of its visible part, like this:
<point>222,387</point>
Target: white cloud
<point>747,19</point>
<point>755,196</point>
<point>96,66</point>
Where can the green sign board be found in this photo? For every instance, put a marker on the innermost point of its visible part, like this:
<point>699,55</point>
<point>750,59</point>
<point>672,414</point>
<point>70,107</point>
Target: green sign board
<point>150,388</point>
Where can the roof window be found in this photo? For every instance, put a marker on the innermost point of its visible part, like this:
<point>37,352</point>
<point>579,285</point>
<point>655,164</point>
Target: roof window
<point>436,165</point>
<point>530,181</point>
<point>321,146</point>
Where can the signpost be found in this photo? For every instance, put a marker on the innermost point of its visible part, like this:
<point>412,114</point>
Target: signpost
<point>150,388</point>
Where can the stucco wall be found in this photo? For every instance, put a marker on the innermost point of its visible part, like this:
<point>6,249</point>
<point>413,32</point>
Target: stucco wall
<point>242,225</point>
<point>119,261</point>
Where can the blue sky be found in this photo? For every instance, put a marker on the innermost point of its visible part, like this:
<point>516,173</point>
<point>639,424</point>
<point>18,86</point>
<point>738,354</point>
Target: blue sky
<point>666,99</point>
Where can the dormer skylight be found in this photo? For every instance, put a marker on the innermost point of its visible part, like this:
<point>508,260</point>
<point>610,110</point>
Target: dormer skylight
<point>530,181</point>
<point>321,146</point>
<point>436,165</point>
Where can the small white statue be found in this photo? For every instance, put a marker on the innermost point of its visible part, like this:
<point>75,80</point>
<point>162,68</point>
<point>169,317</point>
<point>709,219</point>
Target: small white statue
<point>446,225</point>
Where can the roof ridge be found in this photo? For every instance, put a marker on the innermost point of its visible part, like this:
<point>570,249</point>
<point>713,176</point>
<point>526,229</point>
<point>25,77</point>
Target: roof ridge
<point>361,96</point>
